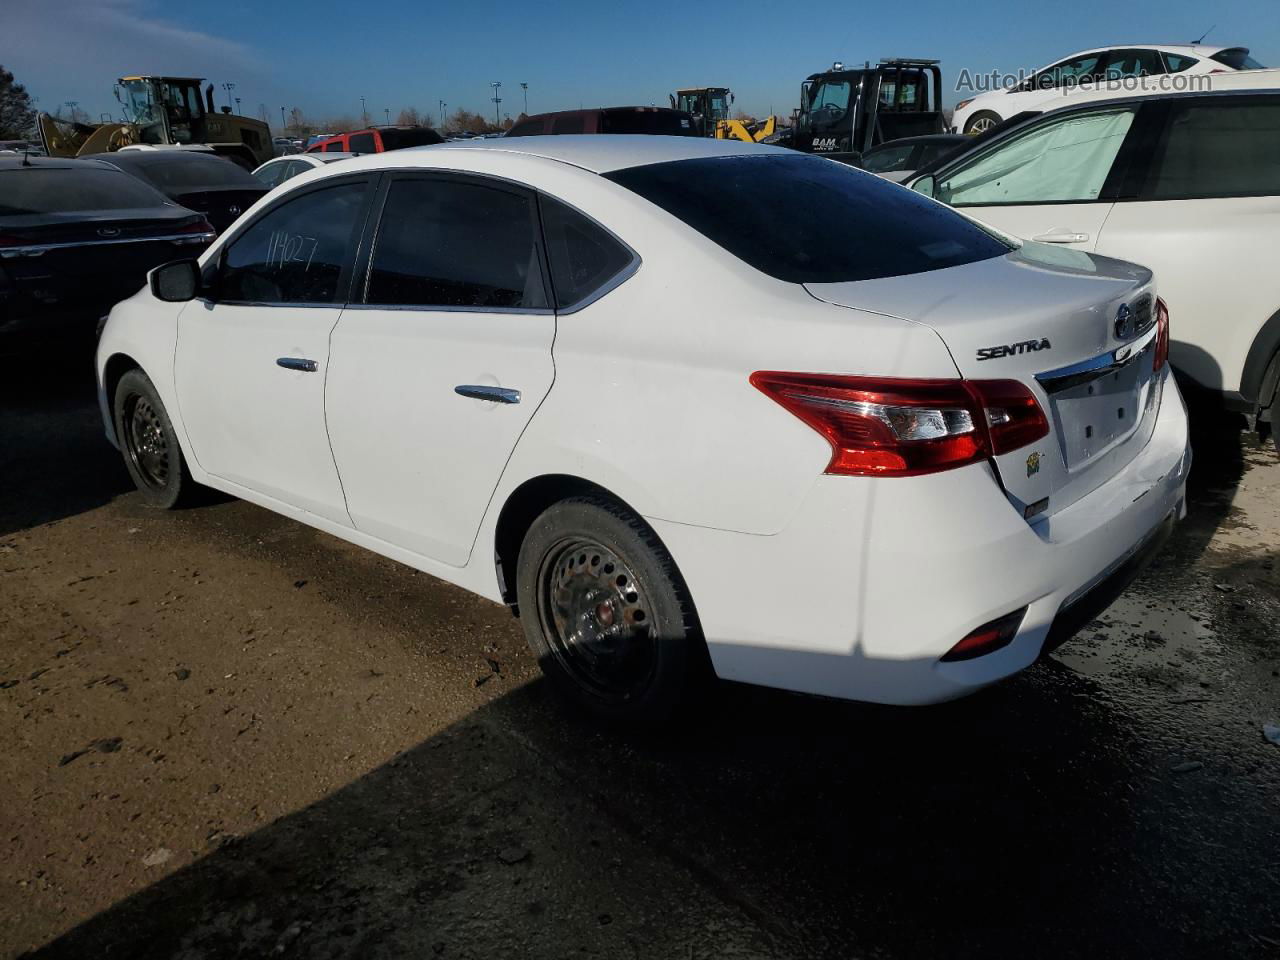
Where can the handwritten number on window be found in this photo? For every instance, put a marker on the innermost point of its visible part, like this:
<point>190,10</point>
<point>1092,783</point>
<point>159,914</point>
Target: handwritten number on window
<point>286,248</point>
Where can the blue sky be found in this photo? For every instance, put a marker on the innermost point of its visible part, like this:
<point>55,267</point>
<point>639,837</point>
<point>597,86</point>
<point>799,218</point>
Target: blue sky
<point>324,55</point>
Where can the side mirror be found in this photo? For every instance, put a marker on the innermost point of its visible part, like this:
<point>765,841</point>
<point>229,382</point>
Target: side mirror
<point>175,282</point>
<point>928,185</point>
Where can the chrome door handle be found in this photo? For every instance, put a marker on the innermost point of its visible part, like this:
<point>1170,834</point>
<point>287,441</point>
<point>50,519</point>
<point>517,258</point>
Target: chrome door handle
<point>298,363</point>
<point>1061,236</point>
<point>492,394</point>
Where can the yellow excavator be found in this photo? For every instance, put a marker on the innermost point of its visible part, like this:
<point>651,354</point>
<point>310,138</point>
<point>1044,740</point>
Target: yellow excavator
<point>163,111</point>
<point>709,107</point>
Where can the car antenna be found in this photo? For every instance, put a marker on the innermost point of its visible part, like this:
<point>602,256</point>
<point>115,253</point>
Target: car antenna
<point>1205,34</point>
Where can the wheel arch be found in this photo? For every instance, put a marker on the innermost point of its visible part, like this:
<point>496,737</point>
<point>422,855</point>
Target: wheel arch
<point>1261,366</point>
<point>524,505</point>
<point>117,365</point>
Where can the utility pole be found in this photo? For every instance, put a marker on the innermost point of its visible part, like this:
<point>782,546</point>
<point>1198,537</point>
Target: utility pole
<point>228,86</point>
<point>284,124</point>
<point>364,114</point>
<point>442,106</point>
<point>71,105</point>
<point>524,87</point>
<point>497,121</point>
<point>387,111</point>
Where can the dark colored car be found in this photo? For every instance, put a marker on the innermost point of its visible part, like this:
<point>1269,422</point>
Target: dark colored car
<point>377,140</point>
<point>200,181</point>
<point>78,236</point>
<point>661,121</point>
<point>898,159</point>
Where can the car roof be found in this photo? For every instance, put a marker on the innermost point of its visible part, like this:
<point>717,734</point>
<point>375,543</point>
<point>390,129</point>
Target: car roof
<point>1158,86</point>
<point>595,152</point>
<point>57,163</point>
<point>1194,49</point>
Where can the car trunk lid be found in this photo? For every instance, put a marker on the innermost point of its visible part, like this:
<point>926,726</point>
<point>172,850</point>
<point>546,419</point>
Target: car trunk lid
<point>1076,328</point>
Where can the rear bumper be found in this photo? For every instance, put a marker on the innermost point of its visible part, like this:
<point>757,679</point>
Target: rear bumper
<point>874,580</point>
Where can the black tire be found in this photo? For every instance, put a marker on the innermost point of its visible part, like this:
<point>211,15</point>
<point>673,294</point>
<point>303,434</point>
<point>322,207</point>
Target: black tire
<point>149,443</point>
<point>981,122</point>
<point>606,613</point>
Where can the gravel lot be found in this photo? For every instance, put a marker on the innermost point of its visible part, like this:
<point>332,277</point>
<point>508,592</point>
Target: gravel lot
<point>228,735</point>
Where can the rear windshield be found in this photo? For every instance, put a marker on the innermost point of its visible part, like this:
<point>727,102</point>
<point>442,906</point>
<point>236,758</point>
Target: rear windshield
<point>1237,58</point>
<point>177,173</point>
<point>661,123</point>
<point>808,220</point>
<point>33,190</point>
<point>419,137</point>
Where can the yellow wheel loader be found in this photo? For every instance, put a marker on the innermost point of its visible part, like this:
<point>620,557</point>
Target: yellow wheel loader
<point>709,107</point>
<point>163,111</point>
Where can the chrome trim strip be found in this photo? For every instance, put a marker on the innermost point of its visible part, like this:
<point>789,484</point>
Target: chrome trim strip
<point>36,249</point>
<point>1072,375</point>
<point>427,308</point>
<point>492,394</point>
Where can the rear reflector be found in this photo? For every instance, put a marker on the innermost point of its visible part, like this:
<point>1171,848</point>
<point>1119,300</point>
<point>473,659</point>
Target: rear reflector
<point>1162,335</point>
<point>988,638</point>
<point>901,428</point>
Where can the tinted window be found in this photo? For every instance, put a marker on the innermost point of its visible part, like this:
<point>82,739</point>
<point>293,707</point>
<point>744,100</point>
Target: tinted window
<point>573,123</point>
<point>393,139</point>
<point>526,128</point>
<point>1176,62</point>
<point>1079,70</point>
<point>1060,160</point>
<point>584,256</point>
<point>272,174</point>
<point>666,123</point>
<point>1133,63</point>
<point>363,143</point>
<point>447,243</point>
<point>26,190</point>
<point>1237,58</point>
<point>886,159</point>
<point>1217,150</point>
<point>297,252</point>
<point>810,220</point>
<point>335,145</point>
<point>181,173</point>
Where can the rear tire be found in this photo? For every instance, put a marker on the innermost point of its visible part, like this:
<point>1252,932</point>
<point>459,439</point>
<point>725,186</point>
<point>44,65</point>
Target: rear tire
<point>981,122</point>
<point>606,613</point>
<point>149,443</point>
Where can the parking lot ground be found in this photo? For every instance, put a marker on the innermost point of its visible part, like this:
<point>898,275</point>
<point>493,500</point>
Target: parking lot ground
<point>226,734</point>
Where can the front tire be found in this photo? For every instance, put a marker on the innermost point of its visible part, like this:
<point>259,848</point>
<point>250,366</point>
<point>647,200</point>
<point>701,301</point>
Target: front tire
<point>149,443</point>
<point>981,122</point>
<point>606,613</point>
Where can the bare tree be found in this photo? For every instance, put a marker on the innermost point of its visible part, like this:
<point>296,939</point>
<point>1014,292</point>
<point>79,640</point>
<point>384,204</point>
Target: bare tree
<point>17,115</point>
<point>409,117</point>
<point>297,125</point>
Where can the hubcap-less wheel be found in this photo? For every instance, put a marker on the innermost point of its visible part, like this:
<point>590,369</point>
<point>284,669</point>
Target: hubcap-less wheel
<point>145,442</point>
<point>597,619</point>
<point>981,125</point>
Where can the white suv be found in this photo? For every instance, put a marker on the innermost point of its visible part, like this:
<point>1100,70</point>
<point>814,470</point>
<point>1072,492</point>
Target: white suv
<point>1186,184</point>
<point>1095,68</point>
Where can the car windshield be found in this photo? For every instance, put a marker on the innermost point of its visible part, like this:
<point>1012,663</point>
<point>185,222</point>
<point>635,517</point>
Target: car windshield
<point>829,100</point>
<point>810,220</point>
<point>36,190</point>
<point>177,173</point>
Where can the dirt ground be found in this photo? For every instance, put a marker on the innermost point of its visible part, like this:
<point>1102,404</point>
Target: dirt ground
<point>228,735</point>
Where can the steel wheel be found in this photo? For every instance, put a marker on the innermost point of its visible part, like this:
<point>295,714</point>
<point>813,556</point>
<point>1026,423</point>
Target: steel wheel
<point>145,441</point>
<point>597,619</point>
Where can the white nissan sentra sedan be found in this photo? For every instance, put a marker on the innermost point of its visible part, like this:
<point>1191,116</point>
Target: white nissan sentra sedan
<point>692,407</point>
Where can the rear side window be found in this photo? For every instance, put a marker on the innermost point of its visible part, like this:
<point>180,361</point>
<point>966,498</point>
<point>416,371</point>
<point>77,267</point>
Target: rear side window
<point>1123,64</point>
<point>574,123</point>
<point>449,243</point>
<point>1217,150</point>
<point>887,159</point>
<point>808,220</point>
<point>28,190</point>
<point>1176,62</point>
<point>272,174</point>
<point>584,257</point>
<point>363,143</point>
<point>395,139</point>
<point>296,253</point>
<point>336,145</point>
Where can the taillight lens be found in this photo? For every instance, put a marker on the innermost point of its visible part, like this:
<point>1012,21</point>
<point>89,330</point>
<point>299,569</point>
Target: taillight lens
<point>201,231</point>
<point>902,428</point>
<point>1162,335</point>
<point>988,638</point>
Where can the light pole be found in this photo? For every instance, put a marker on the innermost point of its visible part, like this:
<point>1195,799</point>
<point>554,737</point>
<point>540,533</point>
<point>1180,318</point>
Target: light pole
<point>284,124</point>
<point>497,122</point>
<point>71,105</point>
<point>387,111</point>
<point>364,114</point>
<point>442,106</point>
<point>237,105</point>
<point>524,87</point>
<point>228,86</point>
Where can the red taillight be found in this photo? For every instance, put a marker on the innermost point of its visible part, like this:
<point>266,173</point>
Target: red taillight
<point>1162,335</point>
<point>902,428</point>
<point>988,638</point>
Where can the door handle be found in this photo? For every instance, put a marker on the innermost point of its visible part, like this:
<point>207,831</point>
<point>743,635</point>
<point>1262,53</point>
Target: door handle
<point>492,394</point>
<point>298,363</point>
<point>1060,235</point>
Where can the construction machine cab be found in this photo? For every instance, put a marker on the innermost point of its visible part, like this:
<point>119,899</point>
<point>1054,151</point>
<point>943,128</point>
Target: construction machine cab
<point>844,112</point>
<point>709,106</point>
<point>166,109</point>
